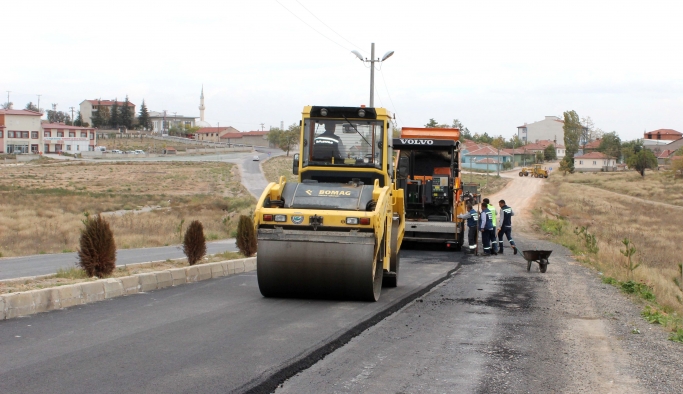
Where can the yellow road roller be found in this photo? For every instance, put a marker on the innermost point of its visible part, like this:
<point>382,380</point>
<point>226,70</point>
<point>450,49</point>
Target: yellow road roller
<point>335,232</point>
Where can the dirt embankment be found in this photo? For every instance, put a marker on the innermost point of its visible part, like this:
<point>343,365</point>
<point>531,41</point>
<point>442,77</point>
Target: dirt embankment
<point>520,194</point>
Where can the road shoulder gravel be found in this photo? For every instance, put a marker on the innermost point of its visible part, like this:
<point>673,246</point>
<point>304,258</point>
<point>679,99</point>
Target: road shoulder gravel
<point>494,327</point>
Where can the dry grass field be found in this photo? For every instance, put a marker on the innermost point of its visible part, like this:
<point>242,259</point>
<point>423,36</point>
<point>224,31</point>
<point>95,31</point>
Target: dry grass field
<point>282,165</point>
<point>278,166</point>
<point>149,145</point>
<point>655,186</point>
<point>43,203</point>
<point>569,203</point>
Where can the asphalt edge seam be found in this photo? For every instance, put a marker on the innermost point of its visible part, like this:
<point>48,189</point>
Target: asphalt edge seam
<point>272,382</point>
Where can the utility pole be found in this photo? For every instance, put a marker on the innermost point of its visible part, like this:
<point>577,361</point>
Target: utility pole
<point>262,124</point>
<point>372,62</point>
<point>499,162</point>
<point>39,102</point>
<point>8,92</point>
<point>72,114</point>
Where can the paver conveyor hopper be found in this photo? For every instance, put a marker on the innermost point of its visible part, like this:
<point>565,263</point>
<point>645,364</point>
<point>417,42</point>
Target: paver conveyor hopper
<point>337,231</point>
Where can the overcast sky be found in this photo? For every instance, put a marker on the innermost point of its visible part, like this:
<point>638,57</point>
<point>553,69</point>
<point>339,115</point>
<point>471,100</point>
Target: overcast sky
<point>494,65</point>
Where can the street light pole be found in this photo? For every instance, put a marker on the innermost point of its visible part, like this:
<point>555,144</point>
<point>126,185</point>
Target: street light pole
<point>372,62</point>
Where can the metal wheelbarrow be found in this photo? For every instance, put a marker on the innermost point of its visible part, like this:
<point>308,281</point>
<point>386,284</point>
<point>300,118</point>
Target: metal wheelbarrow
<point>539,256</point>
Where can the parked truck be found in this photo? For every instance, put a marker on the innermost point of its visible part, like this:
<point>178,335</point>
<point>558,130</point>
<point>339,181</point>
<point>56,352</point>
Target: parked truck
<point>428,171</point>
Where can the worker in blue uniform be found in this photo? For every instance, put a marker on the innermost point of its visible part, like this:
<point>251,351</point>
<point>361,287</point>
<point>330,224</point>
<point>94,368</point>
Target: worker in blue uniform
<point>505,221</point>
<point>486,228</point>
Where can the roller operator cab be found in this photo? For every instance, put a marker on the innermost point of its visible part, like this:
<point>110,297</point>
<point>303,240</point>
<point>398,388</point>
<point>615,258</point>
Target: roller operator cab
<point>337,230</point>
<point>428,172</point>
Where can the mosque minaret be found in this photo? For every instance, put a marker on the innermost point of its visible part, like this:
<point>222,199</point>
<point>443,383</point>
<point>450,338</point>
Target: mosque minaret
<point>202,122</point>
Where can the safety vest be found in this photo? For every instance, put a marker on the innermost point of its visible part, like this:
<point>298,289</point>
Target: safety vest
<point>487,220</point>
<point>472,221</point>
<point>493,214</point>
<point>507,216</point>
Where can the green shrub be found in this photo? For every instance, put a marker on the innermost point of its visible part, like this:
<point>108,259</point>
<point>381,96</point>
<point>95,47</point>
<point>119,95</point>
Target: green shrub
<point>97,252</point>
<point>677,336</point>
<point>246,237</point>
<point>194,243</point>
<point>553,226</point>
<point>655,316</point>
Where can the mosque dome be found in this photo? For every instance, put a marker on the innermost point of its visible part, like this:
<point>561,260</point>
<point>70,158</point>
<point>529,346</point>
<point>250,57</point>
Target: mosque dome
<point>201,123</point>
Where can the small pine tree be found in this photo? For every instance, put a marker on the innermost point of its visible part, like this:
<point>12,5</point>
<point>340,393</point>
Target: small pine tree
<point>194,243</point>
<point>97,120</point>
<point>79,120</point>
<point>126,117</point>
<point>97,253</point>
<point>143,119</point>
<point>246,237</point>
<point>114,116</point>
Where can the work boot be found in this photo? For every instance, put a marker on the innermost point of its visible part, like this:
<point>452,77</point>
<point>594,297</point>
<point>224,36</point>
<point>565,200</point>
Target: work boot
<point>514,248</point>
<point>500,251</point>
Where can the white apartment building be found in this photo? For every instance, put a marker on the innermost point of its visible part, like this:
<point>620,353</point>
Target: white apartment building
<point>19,131</point>
<point>549,128</point>
<point>58,137</point>
<point>88,107</point>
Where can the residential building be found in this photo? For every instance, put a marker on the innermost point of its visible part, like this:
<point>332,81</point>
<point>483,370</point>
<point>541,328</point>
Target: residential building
<point>252,138</point>
<point>520,157</point>
<point>595,161</point>
<point>58,137</point>
<point>662,135</point>
<point>550,128</point>
<point>19,131</point>
<point>214,134</point>
<point>591,146</point>
<point>540,146</point>
<point>89,107</point>
<point>485,158</point>
<point>163,121</point>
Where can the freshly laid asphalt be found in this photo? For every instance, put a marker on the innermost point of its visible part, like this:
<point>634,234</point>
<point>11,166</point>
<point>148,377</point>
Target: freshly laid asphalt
<point>214,336</point>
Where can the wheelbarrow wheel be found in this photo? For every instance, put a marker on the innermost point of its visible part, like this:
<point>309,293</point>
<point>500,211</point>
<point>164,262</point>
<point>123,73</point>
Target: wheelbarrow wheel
<point>528,265</point>
<point>543,266</point>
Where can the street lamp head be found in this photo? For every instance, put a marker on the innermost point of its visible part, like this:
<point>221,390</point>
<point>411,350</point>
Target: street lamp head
<point>387,55</point>
<point>358,55</point>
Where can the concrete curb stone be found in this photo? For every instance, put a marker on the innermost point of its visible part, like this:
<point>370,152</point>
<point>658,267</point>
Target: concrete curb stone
<point>217,270</point>
<point>34,301</point>
<point>204,272</point>
<point>112,288</point>
<point>19,304</point>
<point>239,266</point>
<point>179,276</point>
<point>192,274</point>
<point>148,281</point>
<point>92,291</point>
<point>131,285</point>
<point>45,300</point>
<point>164,279</point>
<point>70,295</point>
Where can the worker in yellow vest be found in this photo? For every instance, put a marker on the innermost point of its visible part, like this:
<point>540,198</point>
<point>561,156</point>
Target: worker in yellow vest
<point>494,242</point>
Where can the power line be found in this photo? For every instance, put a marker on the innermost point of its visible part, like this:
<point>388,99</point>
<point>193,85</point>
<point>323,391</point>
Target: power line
<point>342,37</point>
<point>386,87</point>
<point>314,29</point>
